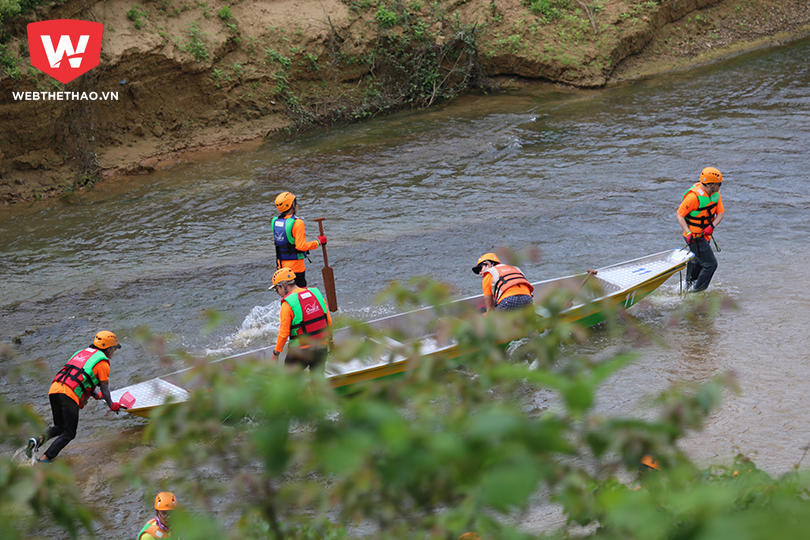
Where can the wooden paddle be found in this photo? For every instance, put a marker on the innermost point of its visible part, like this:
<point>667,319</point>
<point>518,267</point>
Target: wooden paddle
<point>570,303</point>
<point>328,275</point>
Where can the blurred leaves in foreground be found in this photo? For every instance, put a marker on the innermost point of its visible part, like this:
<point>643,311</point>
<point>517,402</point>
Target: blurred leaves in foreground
<point>262,452</point>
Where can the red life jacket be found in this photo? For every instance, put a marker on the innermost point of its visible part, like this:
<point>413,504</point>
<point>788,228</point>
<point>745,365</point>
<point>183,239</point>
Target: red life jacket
<point>505,277</point>
<point>309,316</point>
<point>78,374</point>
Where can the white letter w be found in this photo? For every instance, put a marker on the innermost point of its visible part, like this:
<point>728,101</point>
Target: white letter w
<point>65,47</point>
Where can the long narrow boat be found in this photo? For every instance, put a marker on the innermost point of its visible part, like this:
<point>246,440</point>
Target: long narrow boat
<point>618,286</point>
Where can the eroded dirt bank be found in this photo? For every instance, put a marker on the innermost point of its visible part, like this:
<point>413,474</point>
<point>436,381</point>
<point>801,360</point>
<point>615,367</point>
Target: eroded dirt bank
<point>212,75</point>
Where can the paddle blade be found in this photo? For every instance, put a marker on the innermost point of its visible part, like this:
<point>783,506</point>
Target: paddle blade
<point>329,285</point>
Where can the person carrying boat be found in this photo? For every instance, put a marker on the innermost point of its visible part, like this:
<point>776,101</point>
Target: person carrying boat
<point>700,212</point>
<point>290,238</point>
<point>505,287</point>
<point>159,527</point>
<point>85,375</point>
<point>304,319</point>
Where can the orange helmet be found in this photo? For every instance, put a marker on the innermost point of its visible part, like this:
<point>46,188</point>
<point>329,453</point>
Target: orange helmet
<point>491,257</point>
<point>710,175</point>
<point>106,339</point>
<point>650,462</point>
<point>469,536</point>
<point>284,201</point>
<point>165,501</point>
<point>285,274</point>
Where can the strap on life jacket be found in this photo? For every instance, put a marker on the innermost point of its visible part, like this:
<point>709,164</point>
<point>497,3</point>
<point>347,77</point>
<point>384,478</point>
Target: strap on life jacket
<point>704,215</point>
<point>78,375</point>
<point>505,277</point>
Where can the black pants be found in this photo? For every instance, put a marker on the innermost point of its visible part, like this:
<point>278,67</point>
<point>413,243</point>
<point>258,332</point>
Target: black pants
<point>301,279</point>
<point>65,421</point>
<point>701,269</point>
<point>311,357</point>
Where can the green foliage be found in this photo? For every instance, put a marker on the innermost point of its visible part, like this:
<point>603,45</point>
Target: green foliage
<point>409,67</point>
<point>543,8</point>
<point>513,42</point>
<point>8,61</point>
<point>271,55</point>
<point>34,497</point>
<point>12,8</point>
<point>386,18</point>
<point>219,76</point>
<point>196,46</point>
<point>312,60</point>
<point>135,15</point>
<point>449,447</point>
<point>9,9</point>
<point>225,13</point>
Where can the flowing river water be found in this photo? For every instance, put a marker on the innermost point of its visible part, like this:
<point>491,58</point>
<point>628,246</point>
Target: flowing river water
<point>589,178</point>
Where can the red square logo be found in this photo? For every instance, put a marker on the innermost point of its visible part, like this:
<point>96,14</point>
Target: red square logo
<point>65,48</point>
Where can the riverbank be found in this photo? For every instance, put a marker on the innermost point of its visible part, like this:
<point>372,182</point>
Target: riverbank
<point>218,77</point>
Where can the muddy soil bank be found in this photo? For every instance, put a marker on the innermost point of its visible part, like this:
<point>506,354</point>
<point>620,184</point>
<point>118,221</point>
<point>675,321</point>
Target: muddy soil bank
<point>211,76</point>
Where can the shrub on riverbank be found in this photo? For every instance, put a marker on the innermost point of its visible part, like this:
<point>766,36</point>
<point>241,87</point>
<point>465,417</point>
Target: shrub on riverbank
<point>455,445</point>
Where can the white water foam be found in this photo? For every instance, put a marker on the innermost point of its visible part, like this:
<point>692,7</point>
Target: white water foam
<point>259,328</point>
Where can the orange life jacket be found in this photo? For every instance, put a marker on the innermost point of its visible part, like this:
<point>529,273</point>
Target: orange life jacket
<point>152,528</point>
<point>505,277</point>
<point>707,208</point>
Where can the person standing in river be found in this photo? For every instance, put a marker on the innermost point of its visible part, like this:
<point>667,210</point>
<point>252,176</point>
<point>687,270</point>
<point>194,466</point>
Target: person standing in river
<point>304,319</point>
<point>700,212</point>
<point>290,238</point>
<point>75,383</point>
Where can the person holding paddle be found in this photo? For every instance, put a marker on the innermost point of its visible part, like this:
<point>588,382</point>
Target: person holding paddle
<point>700,212</point>
<point>304,319</point>
<point>290,238</point>
<point>505,287</point>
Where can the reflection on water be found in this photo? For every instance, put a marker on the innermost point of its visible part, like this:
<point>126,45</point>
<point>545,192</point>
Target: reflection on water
<point>588,177</point>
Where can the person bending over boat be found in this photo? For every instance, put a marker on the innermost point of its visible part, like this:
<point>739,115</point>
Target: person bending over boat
<point>70,390</point>
<point>304,319</point>
<point>290,238</point>
<point>159,527</point>
<point>505,287</point>
<point>700,212</point>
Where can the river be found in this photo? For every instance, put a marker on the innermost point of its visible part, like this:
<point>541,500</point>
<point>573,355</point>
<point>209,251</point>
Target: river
<point>588,177</point>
